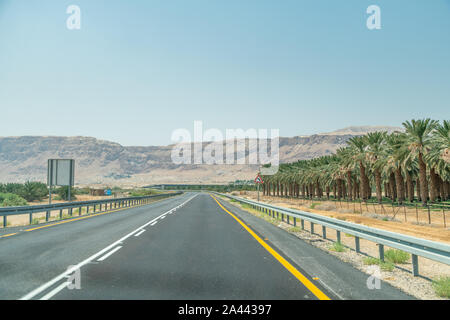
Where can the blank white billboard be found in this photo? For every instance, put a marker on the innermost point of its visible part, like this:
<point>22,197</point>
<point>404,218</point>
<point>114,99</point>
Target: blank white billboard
<point>61,172</point>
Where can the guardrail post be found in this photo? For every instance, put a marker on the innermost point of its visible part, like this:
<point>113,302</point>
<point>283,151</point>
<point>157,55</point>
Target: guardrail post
<point>287,218</point>
<point>415,263</point>
<point>357,246</point>
<point>381,251</point>
<point>324,232</point>
<point>47,214</point>
<point>302,223</point>
<point>338,236</point>
<point>295,221</point>
<point>282,217</point>
<point>277,214</point>
<point>80,211</point>
<point>70,212</point>
<point>312,227</point>
<point>4,222</point>
<point>60,213</point>
<point>31,218</point>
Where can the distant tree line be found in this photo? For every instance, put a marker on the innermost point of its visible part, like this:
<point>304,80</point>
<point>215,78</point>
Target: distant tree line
<point>29,191</point>
<point>413,165</point>
<point>19,194</point>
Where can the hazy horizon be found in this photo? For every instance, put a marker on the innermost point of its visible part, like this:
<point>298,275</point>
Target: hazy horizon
<point>162,145</point>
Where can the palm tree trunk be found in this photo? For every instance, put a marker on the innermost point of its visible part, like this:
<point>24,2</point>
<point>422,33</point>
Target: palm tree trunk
<point>446,190</point>
<point>419,194</point>
<point>400,185</point>
<point>349,184</point>
<point>392,186</point>
<point>378,185</point>
<point>364,182</point>
<point>410,187</point>
<point>434,191</point>
<point>339,189</point>
<point>423,180</point>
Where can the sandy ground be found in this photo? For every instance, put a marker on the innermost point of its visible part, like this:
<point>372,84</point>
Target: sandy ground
<point>371,216</point>
<point>401,277</point>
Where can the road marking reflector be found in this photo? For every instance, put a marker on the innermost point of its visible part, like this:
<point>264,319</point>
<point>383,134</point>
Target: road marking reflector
<point>305,281</point>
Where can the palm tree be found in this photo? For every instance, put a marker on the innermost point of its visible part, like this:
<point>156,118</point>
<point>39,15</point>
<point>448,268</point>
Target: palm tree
<point>376,144</point>
<point>395,155</point>
<point>438,158</point>
<point>359,144</point>
<point>418,133</point>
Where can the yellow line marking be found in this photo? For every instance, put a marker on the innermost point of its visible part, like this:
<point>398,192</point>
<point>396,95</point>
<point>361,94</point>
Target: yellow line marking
<point>8,235</point>
<point>308,284</point>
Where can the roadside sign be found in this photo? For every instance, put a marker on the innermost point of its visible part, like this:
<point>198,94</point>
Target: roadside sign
<point>258,179</point>
<point>60,172</point>
<point>108,192</point>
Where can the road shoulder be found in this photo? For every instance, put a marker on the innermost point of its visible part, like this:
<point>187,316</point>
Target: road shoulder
<point>339,277</point>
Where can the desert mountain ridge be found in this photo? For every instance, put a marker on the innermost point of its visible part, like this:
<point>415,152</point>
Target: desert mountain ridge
<point>102,162</point>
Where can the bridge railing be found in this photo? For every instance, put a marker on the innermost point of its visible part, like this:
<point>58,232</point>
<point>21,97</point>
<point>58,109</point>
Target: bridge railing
<point>417,247</point>
<point>95,206</point>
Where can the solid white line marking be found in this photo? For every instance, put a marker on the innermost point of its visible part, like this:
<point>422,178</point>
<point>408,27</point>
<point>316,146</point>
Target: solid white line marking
<point>88,260</point>
<point>54,291</point>
<point>109,253</point>
<point>138,234</point>
<point>154,223</point>
<point>162,217</point>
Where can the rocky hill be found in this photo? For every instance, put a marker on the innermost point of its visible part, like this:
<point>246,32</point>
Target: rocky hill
<point>104,162</point>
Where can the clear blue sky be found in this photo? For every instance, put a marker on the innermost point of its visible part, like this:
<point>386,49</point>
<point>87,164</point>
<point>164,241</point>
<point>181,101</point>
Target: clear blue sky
<point>137,70</point>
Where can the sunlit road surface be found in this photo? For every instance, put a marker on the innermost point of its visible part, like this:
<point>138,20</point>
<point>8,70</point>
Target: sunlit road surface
<point>193,246</point>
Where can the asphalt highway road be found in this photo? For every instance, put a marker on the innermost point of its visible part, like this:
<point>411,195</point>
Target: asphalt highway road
<point>187,247</point>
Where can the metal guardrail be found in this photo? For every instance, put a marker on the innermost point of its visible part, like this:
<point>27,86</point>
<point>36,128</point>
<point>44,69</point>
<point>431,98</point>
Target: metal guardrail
<point>417,247</point>
<point>112,203</point>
